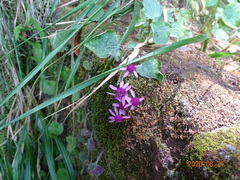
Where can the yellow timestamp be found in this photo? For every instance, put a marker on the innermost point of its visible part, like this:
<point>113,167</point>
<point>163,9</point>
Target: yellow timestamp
<point>205,163</point>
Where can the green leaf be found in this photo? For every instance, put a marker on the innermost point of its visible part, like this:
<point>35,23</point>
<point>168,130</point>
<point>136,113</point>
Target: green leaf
<point>210,3</point>
<point>49,87</point>
<point>83,156</point>
<point>17,31</point>
<point>151,69</point>
<point>221,54</point>
<point>231,15</point>
<point>62,174</point>
<point>220,34</point>
<point>76,96</point>
<point>131,45</point>
<point>71,143</point>
<point>59,38</point>
<point>66,158</point>
<point>104,45</point>
<point>55,128</point>
<point>87,65</point>
<point>161,32</point>
<point>152,8</point>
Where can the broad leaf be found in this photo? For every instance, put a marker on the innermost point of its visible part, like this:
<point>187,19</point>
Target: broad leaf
<point>210,3</point>
<point>152,8</point>
<point>231,15</point>
<point>49,87</point>
<point>71,143</point>
<point>161,32</point>
<point>83,156</point>
<point>104,45</point>
<point>87,65</point>
<point>55,128</point>
<point>151,69</point>
<point>62,174</point>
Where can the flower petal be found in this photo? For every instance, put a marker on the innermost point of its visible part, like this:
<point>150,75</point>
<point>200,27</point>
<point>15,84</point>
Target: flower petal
<point>116,111</point>
<point>135,74</point>
<point>111,117</point>
<point>111,94</point>
<point>125,74</point>
<point>123,68</point>
<point>132,93</point>
<point>126,117</point>
<point>121,84</point>
<point>141,99</point>
<point>122,112</point>
<point>111,121</point>
<point>113,87</point>
<point>112,112</point>
<point>125,86</point>
<point>128,99</point>
<point>115,105</point>
<point>132,108</point>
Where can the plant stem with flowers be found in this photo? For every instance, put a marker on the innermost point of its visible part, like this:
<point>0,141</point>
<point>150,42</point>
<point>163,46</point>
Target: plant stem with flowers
<point>121,95</point>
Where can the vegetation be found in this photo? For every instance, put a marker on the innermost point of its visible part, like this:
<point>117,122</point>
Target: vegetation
<point>54,56</point>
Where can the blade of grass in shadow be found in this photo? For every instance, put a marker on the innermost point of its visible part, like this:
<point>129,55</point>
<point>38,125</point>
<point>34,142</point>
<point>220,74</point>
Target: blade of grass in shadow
<point>43,63</point>
<point>109,10</point>
<point>48,154</point>
<point>53,7</point>
<point>131,27</point>
<point>66,158</point>
<point>18,154</point>
<point>26,173</point>
<point>75,67</point>
<point>94,79</point>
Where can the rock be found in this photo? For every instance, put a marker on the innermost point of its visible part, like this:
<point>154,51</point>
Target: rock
<point>197,96</point>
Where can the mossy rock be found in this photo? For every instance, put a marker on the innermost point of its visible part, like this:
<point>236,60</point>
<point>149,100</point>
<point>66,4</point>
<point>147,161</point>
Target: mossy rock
<point>196,96</point>
<point>213,155</point>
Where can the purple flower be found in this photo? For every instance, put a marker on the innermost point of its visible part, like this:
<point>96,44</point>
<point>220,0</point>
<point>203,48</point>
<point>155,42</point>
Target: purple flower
<point>130,68</point>
<point>121,106</point>
<point>117,116</point>
<point>121,92</point>
<point>134,101</point>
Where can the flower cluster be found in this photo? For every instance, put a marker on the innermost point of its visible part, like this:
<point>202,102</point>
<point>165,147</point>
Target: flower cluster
<point>122,97</point>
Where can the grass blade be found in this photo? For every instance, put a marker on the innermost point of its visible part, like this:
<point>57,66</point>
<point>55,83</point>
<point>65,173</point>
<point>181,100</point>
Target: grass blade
<point>66,158</point>
<point>47,150</point>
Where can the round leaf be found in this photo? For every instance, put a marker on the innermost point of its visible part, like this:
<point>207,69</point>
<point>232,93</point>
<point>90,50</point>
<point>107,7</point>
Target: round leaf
<point>210,3</point>
<point>104,45</point>
<point>62,174</point>
<point>87,65</point>
<point>161,32</point>
<point>151,69</point>
<point>71,143</point>
<point>231,15</point>
<point>55,128</point>
<point>153,9</point>
<point>49,87</point>
<point>83,156</point>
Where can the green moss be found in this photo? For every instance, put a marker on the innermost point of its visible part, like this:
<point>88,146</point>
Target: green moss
<point>207,147</point>
<point>215,140</point>
<point>109,135</point>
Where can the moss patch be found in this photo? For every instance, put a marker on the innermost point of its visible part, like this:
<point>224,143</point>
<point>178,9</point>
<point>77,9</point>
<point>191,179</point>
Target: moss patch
<point>219,153</point>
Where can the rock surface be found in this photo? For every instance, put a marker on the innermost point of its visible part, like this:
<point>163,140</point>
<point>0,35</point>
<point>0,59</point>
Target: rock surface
<point>196,97</point>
